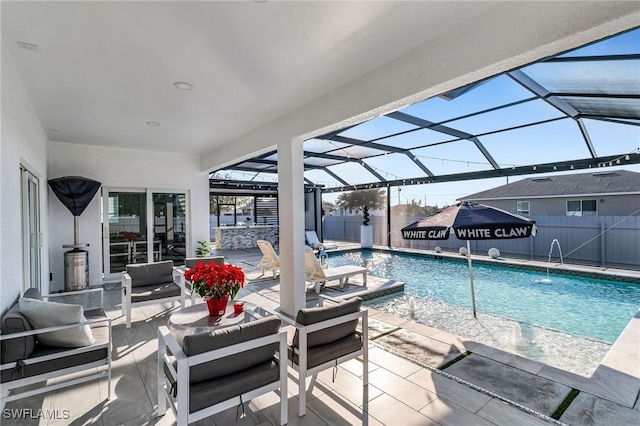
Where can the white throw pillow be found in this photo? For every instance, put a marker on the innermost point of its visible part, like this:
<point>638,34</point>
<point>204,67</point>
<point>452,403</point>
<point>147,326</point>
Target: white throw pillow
<point>43,314</point>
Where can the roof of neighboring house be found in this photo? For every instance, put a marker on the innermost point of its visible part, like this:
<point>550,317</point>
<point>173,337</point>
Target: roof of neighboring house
<point>593,183</point>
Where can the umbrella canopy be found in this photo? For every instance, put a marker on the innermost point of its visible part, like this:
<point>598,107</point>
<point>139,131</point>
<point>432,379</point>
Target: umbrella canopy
<point>471,221</point>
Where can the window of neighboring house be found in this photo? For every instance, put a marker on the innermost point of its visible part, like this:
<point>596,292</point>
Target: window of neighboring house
<point>582,208</point>
<point>523,208</point>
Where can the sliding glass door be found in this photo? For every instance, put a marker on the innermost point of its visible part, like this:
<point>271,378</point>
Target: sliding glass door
<point>142,226</point>
<point>170,226</point>
<point>124,230</point>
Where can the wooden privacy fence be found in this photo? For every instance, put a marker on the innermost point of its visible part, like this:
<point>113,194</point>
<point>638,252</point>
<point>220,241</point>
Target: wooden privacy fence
<point>612,241</point>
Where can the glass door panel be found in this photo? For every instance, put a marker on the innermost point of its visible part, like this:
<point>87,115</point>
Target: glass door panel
<point>169,227</point>
<point>31,238</point>
<point>125,230</point>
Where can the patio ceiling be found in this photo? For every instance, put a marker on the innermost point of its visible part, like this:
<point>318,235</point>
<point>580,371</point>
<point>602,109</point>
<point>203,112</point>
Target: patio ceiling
<point>576,110</point>
<point>103,73</point>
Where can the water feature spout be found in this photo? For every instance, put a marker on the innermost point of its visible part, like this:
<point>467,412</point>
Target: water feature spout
<point>517,334</point>
<point>412,306</point>
<point>555,241</point>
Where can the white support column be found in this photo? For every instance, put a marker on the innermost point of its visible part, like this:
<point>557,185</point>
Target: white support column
<point>291,221</point>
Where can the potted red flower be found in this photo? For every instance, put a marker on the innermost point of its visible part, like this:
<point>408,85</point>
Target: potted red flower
<point>216,284</point>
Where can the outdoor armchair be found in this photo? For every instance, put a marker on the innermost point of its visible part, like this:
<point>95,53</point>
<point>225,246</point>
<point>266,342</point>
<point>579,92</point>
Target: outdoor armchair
<point>326,336</point>
<point>215,371</point>
<point>149,284</point>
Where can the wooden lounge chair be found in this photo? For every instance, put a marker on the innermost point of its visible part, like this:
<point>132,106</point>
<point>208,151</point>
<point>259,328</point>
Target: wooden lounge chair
<point>315,274</point>
<point>313,241</point>
<point>270,259</point>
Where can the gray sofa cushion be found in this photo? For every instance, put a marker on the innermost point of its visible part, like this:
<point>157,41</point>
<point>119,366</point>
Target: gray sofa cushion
<point>55,364</point>
<point>205,342</point>
<point>32,293</point>
<point>146,274</point>
<point>153,292</point>
<point>191,262</point>
<point>15,322</point>
<point>21,347</point>
<point>314,315</point>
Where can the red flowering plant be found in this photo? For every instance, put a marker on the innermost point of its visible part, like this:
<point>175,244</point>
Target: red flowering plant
<point>213,281</point>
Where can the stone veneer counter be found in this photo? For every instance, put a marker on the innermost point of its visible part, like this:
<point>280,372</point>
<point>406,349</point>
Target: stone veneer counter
<point>235,237</point>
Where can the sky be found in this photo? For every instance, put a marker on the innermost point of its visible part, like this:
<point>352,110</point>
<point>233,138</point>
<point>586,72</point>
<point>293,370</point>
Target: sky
<point>556,139</point>
<point>559,140</point>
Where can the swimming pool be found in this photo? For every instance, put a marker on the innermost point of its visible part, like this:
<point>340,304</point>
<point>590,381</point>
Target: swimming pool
<point>592,308</point>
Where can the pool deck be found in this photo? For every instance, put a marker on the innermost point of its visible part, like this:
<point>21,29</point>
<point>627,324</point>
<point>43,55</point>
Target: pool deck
<point>609,396</point>
<point>418,375</point>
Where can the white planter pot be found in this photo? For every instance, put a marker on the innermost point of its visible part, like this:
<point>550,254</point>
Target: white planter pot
<point>366,236</point>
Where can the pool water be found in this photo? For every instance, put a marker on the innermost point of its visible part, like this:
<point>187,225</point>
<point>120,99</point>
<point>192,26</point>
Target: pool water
<point>592,308</point>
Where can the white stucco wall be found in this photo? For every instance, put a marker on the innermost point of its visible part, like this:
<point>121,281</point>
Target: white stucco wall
<point>122,169</point>
<point>22,141</point>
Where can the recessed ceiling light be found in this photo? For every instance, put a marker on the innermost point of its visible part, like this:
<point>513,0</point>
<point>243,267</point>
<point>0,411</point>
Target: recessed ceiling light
<point>183,86</point>
<point>153,123</point>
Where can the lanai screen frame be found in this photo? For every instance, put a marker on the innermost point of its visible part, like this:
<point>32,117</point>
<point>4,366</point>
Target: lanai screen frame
<point>612,98</point>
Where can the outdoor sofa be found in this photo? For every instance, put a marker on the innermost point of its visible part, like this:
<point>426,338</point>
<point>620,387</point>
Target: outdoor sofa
<point>31,354</point>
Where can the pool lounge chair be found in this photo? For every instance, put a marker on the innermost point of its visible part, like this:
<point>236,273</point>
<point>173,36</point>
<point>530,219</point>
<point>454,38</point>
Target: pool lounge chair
<point>317,275</point>
<point>313,241</point>
<point>269,259</point>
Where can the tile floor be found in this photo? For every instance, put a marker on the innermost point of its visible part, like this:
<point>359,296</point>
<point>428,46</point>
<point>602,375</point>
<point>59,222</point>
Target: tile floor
<point>400,391</point>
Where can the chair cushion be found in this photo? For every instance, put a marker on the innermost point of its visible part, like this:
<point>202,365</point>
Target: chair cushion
<point>314,315</point>
<point>55,364</point>
<point>153,292</point>
<point>32,293</point>
<point>209,392</point>
<point>43,314</point>
<point>15,322</point>
<point>21,347</point>
<point>323,353</point>
<point>145,274</point>
<point>205,342</point>
<point>191,262</point>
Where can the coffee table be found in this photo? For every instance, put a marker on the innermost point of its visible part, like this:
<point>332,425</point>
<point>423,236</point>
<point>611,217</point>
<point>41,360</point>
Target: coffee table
<point>196,319</point>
